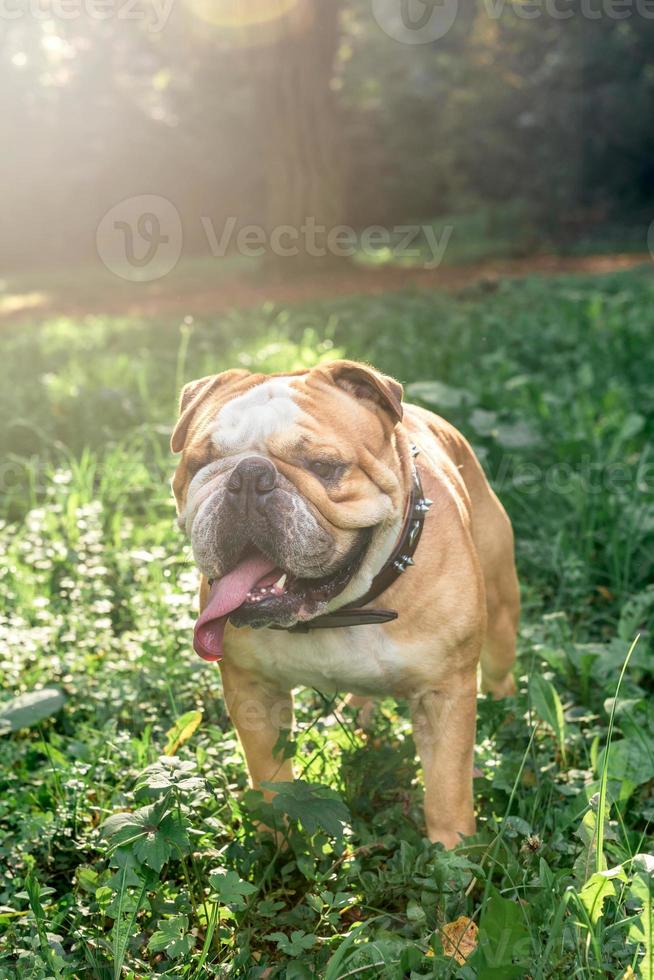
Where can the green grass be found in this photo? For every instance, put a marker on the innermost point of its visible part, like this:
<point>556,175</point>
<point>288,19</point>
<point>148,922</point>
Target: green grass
<point>553,381</point>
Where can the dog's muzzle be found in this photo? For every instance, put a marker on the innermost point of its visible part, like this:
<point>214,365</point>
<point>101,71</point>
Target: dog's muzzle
<point>249,483</point>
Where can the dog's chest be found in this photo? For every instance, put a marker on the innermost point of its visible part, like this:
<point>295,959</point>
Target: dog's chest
<point>359,659</point>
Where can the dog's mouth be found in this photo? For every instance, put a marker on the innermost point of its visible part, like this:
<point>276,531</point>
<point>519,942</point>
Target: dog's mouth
<point>257,593</point>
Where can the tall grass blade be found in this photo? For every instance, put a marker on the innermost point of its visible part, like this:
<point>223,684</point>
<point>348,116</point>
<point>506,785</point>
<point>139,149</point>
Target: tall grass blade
<point>601,816</point>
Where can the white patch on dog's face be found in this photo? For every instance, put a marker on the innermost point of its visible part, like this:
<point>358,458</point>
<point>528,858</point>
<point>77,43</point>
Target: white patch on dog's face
<point>246,422</point>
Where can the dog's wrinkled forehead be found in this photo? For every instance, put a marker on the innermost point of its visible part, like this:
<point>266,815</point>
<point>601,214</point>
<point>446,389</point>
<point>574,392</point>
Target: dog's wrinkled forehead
<point>250,419</point>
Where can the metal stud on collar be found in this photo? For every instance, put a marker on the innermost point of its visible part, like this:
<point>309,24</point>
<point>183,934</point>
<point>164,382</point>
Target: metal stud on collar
<point>414,531</point>
<point>403,562</point>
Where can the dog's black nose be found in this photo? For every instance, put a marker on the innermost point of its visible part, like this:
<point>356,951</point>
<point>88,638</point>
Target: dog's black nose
<point>253,475</point>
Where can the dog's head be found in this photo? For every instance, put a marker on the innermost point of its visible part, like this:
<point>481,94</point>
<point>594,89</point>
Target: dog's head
<point>284,485</point>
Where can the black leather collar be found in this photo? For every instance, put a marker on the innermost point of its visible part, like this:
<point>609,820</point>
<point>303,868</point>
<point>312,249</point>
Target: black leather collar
<point>352,614</point>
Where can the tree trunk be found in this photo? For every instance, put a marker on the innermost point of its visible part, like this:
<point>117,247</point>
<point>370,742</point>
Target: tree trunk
<point>301,139</point>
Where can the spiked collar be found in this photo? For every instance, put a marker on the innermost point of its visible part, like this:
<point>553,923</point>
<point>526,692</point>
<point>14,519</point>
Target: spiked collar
<point>353,613</point>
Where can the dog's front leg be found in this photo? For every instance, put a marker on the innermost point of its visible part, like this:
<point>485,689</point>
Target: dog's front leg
<point>444,733</point>
<point>259,711</point>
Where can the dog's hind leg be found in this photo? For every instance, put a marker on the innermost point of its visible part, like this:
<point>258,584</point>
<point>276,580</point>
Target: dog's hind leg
<point>364,707</point>
<point>493,538</point>
<point>498,651</point>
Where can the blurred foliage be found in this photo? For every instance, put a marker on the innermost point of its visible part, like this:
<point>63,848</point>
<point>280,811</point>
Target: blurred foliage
<point>551,112</point>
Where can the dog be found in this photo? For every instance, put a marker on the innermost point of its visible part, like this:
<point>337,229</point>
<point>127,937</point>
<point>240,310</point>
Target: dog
<point>311,497</point>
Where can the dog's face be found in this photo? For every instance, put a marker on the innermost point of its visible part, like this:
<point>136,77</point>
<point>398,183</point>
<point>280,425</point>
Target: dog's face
<point>284,481</point>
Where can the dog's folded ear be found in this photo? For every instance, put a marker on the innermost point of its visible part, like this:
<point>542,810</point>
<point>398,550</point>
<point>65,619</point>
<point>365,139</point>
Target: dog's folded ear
<point>366,383</point>
<point>193,395</point>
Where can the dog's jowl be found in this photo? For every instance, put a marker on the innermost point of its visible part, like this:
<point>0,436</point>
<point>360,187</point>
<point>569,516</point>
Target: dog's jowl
<point>348,542</point>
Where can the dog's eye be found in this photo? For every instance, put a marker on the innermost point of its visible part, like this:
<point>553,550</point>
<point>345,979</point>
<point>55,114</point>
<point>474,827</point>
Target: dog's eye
<point>323,469</point>
<point>200,457</point>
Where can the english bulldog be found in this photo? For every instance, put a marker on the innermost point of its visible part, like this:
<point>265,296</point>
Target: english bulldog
<point>310,499</point>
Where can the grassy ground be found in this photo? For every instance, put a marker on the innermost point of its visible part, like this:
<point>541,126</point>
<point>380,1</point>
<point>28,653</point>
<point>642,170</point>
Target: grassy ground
<point>121,863</point>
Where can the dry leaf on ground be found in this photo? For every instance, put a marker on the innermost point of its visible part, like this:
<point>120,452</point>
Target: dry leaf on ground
<point>459,938</point>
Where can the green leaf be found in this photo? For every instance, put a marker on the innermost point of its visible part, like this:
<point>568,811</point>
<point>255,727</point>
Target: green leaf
<point>35,892</point>
<point>230,889</point>
<point>104,896</point>
<point>29,709</point>
<point>130,873</point>
<point>52,754</point>
<point>169,773</point>
<point>483,422</point>
<point>294,945</point>
<point>518,435</point>
<point>597,889</point>
<point>182,730</point>
<point>316,807</point>
<point>127,905</point>
<point>126,902</point>
<point>632,425</point>
<point>268,908</point>
<point>513,825</point>
<point>296,970</point>
<point>634,612</point>
<point>630,759</point>
<point>87,879</point>
<point>152,850</point>
<point>415,912</point>
<point>641,929</point>
<point>153,836</point>
<point>124,828</point>
<point>504,945</point>
<point>547,704</point>
<point>587,832</point>
<point>286,746</point>
<point>172,937</point>
<point>438,395</point>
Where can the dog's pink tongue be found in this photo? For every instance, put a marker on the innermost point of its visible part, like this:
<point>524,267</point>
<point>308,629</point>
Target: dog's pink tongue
<point>226,595</point>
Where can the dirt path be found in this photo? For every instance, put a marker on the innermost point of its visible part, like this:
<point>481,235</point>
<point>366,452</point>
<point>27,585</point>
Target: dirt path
<point>172,296</point>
